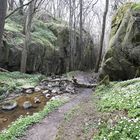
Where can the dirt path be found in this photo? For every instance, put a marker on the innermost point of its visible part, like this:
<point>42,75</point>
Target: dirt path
<point>47,129</point>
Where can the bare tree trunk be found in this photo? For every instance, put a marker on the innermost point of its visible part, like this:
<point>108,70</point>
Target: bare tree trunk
<point>74,35</point>
<point>81,33</point>
<point>21,9</point>
<point>3,8</point>
<point>27,36</point>
<point>102,36</point>
<point>11,5</point>
<point>70,33</point>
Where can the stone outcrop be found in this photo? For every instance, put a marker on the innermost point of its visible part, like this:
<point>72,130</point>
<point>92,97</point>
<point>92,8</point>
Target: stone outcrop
<point>49,51</point>
<point>122,60</point>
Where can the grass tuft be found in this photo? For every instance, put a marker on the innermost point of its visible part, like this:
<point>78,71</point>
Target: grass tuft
<point>10,81</point>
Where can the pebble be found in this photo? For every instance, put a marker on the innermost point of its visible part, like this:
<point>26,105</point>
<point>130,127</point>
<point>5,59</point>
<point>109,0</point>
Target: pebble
<point>45,91</point>
<point>37,89</point>
<point>37,100</point>
<point>29,91</point>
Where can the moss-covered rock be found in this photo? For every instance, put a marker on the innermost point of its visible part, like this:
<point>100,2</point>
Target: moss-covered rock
<point>49,51</point>
<point>123,56</point>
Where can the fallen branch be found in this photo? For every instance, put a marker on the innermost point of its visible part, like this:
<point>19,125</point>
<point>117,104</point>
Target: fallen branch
<point>3,70</point>
<point>81,85</point>
<point>56,80</point>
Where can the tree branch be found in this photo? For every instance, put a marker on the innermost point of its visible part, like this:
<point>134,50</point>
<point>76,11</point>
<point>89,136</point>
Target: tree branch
<point>18,9</point>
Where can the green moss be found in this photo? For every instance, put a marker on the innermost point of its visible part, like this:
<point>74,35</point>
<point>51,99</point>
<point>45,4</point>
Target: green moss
<point>56,27</point>
<point>15,80</point>
<point>42,33</point>
<point>136,7</point>
<point>117,19</point>
<point>12,26</point>
<point>109,53</point>
<point>44,36</point>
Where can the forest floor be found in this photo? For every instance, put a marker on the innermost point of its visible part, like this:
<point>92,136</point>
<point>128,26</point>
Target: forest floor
<point>75,120</point>
<point>111,112</point>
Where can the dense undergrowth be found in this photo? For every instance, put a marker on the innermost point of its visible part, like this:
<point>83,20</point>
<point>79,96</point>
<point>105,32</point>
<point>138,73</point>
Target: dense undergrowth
<point>121,96</point>
<point>18,128</point>
<point>10,81</point>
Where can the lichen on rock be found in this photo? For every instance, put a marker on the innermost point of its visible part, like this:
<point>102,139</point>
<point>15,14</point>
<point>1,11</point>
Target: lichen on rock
<point>123,55</point>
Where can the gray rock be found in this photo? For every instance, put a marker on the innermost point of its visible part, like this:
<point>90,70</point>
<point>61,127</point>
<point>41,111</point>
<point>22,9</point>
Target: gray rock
<point>47,95</point>
<point>27,105</point>
<point>37,89</point>
<point>50,85</point>
<point>69,88</point>
<point>37,100</point>
<point>10,105</point>
<point>29,91</point>
<point>45,92</point>
<point>54,98</point>
<point>56,90</point>
<point>122,59</point>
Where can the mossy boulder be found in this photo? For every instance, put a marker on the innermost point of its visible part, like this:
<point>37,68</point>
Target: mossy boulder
<point>122,58</point>
<point>49,51</point>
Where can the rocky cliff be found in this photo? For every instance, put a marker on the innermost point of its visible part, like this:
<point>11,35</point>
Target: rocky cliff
<point>122,60</point>
<point>49,48</point>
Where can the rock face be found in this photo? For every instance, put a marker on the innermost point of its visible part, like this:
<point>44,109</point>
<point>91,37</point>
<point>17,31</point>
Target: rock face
<point>49,51</point>
<point>122,60</point>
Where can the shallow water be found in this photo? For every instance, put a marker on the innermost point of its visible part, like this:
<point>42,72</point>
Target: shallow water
<point>6,117</point>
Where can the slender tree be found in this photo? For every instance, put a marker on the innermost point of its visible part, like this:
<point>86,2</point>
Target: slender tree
<point>81,27</point>
<point>27,36</point>
<point>21,7</point>
<point>80,47</point>
<point>11,5</point>
<point>102,36</point>
<point>3,8</point>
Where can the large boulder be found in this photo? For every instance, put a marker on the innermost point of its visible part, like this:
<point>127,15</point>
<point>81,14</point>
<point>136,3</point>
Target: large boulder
<point>49,50</point>
<point>122,59</point>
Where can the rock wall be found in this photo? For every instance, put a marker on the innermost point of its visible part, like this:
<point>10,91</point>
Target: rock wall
<point>49,51</point>
<point>122,60</point>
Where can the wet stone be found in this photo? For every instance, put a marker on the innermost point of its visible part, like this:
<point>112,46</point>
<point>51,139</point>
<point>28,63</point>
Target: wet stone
<point>27,105</point>
<point>45,92</point>
<point>37,100</point>
<point>29,91</point>
<point>5,120</point>
<point>37,89</point>
<point>56,90</point>
<point>10,105</point>
<point>47,95</point>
